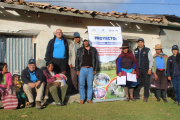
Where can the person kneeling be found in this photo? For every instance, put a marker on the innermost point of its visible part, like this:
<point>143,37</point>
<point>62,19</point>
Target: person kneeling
<point>33,78</point>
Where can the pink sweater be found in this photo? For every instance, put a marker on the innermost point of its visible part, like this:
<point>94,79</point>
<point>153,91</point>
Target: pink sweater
<point>8,81</point>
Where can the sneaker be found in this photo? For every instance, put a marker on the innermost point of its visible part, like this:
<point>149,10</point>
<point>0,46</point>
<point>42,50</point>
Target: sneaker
<point>81,102</point>
<point>145,99</point>
<point>31,105</point>
<point>158,99</point>
<point>59,104</point>
<point>38,105</point>
<point>127,100</point>
<point>89,101</point>
<point>176,102</point>
<point>46,97</point>
<point>165,100</point>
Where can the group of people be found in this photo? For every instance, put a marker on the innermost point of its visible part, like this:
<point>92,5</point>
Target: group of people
<point>157,70</point>
<point>83,63</point>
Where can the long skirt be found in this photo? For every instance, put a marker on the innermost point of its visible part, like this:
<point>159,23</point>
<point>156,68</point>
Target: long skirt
<point>162,82</point>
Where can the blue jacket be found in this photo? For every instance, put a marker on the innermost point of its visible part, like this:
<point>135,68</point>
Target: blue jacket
<point>119,65</point>
<point>170,65</point>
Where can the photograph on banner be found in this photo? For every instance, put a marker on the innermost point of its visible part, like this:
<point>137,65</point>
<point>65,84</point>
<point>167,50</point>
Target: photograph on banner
<point>107,41</point>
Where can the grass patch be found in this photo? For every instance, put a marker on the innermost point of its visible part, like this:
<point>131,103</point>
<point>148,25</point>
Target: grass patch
<point>100,111</point>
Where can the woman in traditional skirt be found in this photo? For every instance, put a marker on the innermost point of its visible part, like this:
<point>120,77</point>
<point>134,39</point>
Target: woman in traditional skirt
<point>159,70</point>
<point>126,63</point>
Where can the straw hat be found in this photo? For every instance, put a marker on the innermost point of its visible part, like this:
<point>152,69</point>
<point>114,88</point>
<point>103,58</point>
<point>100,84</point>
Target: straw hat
<point>124,45</point>
<point>158,47</point>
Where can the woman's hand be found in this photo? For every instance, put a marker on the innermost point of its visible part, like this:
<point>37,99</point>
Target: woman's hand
<point>155,76</point>
<point>133,71</point>
<point>169,78</point>
<point>119,74</point>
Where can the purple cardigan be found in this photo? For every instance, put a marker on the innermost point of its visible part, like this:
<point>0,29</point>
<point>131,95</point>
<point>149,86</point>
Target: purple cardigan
<point>48,76</point>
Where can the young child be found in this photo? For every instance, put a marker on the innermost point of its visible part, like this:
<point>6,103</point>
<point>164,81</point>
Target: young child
<point>53,79</point>
<point>17,83</point>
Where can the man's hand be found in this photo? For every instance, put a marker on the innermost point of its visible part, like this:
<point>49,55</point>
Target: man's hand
<point>77,72</point>
<point>95,72</point>
<point>119,74</point>
<point>58,78</point>
<point>37,83</point>
<point>32,85</point>
<point>169,78</point>
<point>70,66</point>
<point>149,72</point>
<point>133,71</point>
<point>155,76</point>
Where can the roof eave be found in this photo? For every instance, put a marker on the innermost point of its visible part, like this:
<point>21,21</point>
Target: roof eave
<point>85,15</point>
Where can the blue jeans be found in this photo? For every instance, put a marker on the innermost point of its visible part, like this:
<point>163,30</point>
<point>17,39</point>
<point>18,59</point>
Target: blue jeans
<point>86,74</point>
<point>176,85</point>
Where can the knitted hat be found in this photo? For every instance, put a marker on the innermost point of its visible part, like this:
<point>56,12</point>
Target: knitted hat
<point>76,35</point>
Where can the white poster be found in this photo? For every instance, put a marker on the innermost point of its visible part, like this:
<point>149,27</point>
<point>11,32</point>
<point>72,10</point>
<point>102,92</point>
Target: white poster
<point>107,41</point>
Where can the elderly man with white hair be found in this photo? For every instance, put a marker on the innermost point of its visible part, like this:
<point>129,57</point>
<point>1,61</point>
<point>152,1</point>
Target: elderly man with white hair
<point>57,52</point>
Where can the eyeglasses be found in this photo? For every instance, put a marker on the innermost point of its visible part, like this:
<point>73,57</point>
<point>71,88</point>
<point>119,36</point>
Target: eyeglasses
<point>58,32</point>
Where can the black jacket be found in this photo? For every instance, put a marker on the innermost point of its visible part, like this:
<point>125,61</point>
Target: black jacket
<point>50,49</point>
<point>170,65</point>
<point>26,76</point>
<point>143,58</point>
<point>79,58</point>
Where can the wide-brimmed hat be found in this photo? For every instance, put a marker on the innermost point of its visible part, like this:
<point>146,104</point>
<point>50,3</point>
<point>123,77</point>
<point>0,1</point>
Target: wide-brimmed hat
<point>158,47</point>
<point>124,45</point>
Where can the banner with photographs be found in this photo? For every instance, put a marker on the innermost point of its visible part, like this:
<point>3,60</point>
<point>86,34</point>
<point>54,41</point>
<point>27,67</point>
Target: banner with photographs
<point>107,41</point>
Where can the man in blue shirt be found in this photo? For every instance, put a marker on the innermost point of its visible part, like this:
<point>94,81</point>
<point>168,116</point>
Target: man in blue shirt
<point>33,78</point>
<point>57,52</point>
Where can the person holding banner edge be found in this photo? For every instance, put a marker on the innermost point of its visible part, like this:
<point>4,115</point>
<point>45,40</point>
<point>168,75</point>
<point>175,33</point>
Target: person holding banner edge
<point>126,63</point>
<point>86,66</point>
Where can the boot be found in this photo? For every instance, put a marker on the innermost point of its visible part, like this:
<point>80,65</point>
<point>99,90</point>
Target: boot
<point>38,105</point>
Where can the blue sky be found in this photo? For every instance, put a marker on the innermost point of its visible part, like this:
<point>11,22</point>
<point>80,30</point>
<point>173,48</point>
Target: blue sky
<point>130,8</point>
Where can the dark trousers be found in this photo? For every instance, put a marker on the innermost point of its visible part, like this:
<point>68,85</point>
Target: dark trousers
<point>144,80</point>
<point>74,78</point>
<point>59,65</point>
<point>176,85</point>
<point>158,93</point>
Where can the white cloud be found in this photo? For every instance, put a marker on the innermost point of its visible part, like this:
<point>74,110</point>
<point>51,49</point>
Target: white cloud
<point>104,7</point>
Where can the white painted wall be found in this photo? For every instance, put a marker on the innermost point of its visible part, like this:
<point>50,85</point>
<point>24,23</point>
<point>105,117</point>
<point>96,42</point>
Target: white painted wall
<point>48,23</point>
